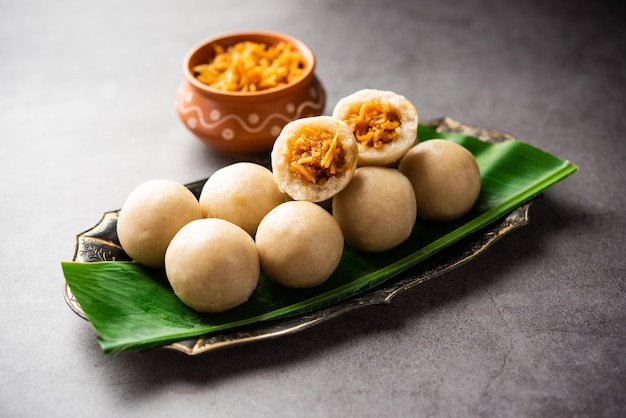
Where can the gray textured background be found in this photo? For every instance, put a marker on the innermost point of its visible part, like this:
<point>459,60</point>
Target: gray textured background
<point>534,327</point>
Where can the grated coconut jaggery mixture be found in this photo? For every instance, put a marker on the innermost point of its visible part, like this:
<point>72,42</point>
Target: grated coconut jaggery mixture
<point>251,66</point>
<point>374,124</point>
<point>315,155</point>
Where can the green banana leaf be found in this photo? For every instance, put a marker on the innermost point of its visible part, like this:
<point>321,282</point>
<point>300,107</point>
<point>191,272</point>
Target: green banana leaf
<point>132,307</point>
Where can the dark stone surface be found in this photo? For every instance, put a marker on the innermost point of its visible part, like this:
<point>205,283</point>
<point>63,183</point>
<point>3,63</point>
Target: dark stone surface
<point>535,327</point>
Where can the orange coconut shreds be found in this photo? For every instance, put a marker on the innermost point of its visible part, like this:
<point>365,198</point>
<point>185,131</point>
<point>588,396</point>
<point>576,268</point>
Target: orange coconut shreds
<point>315,155</point>
<point>251,66</point>
<point>374,124</point>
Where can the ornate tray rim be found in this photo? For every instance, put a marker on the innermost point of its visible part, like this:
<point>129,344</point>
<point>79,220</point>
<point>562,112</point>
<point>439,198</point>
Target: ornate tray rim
<point>463,253</point>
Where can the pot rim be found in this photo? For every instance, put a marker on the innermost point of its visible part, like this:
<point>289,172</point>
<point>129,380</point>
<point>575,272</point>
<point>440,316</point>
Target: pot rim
<point>191,59</point>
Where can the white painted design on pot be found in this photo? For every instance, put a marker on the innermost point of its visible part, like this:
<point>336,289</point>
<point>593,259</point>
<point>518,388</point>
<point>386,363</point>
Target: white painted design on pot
<point>216,118</point>
<point>228,134</point>
<point>253,118</point>
<point>275,130</point>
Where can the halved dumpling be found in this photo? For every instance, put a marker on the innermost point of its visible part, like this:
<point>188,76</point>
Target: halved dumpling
<point>384,124</point>
<point>314,158</point>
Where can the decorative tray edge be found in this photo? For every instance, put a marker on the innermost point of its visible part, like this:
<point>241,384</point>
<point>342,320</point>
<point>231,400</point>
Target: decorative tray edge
<point>95,244</point>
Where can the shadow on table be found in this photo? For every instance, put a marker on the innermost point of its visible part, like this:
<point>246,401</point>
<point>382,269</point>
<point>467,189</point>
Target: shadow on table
<point>137,374</point>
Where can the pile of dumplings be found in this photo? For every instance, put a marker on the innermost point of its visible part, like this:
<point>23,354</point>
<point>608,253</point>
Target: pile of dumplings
<point>358,177</point>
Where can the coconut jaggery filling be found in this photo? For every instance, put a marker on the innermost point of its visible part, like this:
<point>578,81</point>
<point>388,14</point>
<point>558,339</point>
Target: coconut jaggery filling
<point>251,66</point>
<point>374,124</point>
<point>315,155</point>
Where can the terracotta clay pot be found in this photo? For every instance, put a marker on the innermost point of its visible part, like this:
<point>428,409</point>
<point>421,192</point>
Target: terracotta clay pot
<point>246,122</point>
